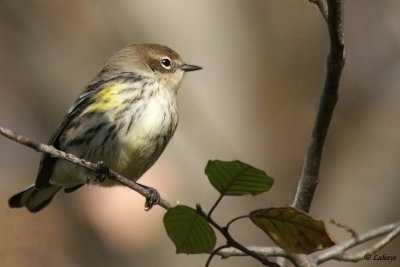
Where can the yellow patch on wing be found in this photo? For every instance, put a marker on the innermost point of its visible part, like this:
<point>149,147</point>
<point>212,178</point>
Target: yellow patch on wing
<point>105,99</point>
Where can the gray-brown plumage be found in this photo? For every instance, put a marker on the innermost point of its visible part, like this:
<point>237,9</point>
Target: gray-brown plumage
<point>125,117</point>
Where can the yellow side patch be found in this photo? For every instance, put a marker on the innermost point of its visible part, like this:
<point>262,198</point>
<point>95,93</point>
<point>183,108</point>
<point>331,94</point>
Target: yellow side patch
<point>105,99</point>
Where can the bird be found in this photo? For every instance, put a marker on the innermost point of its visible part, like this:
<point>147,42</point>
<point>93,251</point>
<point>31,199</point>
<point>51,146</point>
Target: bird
<point>124,118</point>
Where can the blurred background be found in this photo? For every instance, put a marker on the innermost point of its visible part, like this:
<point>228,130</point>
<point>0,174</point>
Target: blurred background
<point>255,100</point>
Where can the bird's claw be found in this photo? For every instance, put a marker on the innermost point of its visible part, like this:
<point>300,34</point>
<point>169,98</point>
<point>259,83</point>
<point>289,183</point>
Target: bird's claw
<point>152,199</point>
<point>103,171</point>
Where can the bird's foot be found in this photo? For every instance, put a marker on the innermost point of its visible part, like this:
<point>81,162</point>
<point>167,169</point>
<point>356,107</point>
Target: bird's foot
<point>152,199</point>
<point>103,171</point>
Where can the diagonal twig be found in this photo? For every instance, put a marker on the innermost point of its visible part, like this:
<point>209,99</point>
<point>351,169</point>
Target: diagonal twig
<point>81,162</point>
<point>389,231</point>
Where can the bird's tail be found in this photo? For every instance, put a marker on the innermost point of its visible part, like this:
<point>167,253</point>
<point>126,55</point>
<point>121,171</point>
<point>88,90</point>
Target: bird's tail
<point>34,199</point>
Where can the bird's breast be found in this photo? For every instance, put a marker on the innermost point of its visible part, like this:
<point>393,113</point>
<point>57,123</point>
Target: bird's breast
<point>148,129</point>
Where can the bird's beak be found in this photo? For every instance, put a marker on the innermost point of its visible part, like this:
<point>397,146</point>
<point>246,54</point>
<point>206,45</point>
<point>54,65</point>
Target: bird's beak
<point>187,67</point>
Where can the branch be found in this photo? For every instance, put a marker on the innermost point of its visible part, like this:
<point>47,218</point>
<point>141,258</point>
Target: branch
<point>338,252</point>
<point>215,252</point>
<point>81,162</point>
<point>297,259</point>
<point>322,6</point>
<point>231,242</point>
<point>390,231</point>
<point>310,174</point>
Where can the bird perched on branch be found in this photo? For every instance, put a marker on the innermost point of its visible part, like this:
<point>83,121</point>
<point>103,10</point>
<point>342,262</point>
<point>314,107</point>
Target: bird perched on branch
<point>125,118</point>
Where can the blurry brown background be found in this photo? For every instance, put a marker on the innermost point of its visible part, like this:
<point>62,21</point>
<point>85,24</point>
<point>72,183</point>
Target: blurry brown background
<point>255,100</point>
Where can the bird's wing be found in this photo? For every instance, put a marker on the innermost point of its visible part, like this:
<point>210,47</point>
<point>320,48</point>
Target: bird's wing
<point>47,163</point>
<point>85,99</point>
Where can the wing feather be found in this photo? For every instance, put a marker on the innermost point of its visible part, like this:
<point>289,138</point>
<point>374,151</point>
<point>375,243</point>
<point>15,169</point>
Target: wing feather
<point>85,99</point>
<point>47,163</point>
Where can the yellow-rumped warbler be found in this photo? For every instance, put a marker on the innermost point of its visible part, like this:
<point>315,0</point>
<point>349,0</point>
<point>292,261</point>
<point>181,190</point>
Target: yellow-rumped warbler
<point>125,117</point>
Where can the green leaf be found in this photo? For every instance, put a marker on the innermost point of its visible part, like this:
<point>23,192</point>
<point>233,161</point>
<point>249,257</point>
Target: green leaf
<point>235,178</point>
<point>292,230</point>
<point>189,231</point>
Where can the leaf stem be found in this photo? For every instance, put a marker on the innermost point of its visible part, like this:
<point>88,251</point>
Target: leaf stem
<point>215,205</point>
<point>236,219</point>
<point>231,242</point>
<point>215,252</point>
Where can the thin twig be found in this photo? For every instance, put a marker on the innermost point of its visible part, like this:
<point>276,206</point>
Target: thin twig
<point>266,252</point>
<point>348,229</point>
<point>310,174</point>
<point>322,6</point>
<point>215,205</point>
<point>372,250</point>
<point>81,162</point>
<point>215,252</point>
<point>390,230</point>
<point>236,219</point>
<point>231,242</point>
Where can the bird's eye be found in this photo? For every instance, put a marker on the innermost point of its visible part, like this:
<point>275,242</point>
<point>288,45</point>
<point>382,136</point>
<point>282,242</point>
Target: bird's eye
<point>166,63</point>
